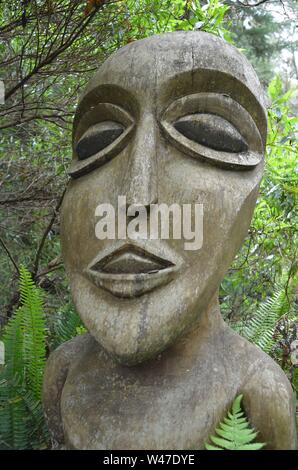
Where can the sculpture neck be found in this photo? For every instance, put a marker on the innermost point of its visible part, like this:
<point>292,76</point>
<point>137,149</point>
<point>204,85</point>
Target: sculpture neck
<point>194,345</point>
<point>209,322</point>
<point>210,319</point>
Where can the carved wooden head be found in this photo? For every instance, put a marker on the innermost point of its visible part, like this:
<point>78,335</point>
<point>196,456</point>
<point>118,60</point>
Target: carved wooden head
<point>177,119</point>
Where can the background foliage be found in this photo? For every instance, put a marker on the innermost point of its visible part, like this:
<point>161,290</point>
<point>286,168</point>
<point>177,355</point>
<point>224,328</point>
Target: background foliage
<point>48,51</point>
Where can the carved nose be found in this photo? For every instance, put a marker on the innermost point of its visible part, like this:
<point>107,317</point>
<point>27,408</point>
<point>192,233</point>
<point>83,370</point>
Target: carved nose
<point>140,181</point>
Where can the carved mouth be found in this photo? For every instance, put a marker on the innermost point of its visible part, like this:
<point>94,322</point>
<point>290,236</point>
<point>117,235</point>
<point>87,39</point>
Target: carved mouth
<point>130,271</point>
<point>131,260</point>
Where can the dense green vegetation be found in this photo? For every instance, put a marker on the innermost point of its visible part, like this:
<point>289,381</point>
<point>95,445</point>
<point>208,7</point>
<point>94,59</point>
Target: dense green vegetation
<point>21,416</point>
<point>48,51</point>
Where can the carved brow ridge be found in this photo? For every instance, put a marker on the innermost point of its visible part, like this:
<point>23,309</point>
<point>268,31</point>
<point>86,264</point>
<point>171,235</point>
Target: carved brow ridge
<point>234,88</point>
<point>106,93</point>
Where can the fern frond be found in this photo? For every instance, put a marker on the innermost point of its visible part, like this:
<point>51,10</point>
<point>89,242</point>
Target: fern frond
<point>33,328</point>
<point>234,432</point>
<point>261,327</point>
<point>67,324</point>
<point>21,415</point>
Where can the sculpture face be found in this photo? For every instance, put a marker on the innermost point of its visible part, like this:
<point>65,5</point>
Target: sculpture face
<point>176,118</point>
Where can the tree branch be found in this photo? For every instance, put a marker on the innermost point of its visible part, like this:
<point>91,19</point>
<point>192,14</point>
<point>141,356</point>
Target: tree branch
<point>52,56</point>
<point>9,255</point>
<point>46,232</point>
<point>249,5</point>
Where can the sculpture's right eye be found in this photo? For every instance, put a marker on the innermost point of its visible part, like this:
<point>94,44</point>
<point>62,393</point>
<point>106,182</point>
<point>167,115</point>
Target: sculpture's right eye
<point>100,134</point>
<point>98,137</point>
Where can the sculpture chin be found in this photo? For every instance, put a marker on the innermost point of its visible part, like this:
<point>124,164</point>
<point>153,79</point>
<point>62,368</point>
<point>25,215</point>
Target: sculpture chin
<point>134,330</point>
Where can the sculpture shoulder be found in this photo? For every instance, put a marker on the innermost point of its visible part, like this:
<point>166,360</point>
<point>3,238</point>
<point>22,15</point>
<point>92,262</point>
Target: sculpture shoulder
<point>56,371</point>
<point>268,398</point>
<point>64,354</point>
<point>253,360</point>
<point>269,401</point>
<point>62,358</point>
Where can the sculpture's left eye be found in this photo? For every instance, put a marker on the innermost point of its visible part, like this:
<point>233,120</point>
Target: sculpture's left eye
<point>212,127</point>
<point>98,137</point>
<point>212,131</point>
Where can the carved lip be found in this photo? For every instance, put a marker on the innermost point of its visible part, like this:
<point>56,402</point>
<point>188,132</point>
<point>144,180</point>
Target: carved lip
<point>131,270</point>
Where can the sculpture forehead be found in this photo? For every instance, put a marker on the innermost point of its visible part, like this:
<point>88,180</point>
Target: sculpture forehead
<point>147,63</point>
<point>156,70</point>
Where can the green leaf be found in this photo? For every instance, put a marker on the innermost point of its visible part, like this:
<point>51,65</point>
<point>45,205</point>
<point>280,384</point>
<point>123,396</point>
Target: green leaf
<point>234,432</point>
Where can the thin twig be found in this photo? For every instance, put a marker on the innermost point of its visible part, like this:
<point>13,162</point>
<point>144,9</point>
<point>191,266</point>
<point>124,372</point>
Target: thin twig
<point>251,5</point>
<point>47,271</point>
<point>10,255</point>
<point>46,232</point>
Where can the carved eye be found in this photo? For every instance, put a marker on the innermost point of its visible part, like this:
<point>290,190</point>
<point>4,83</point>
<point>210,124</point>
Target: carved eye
<point>214,128</point>
<point>97,137</point>
<point>211,131</point>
